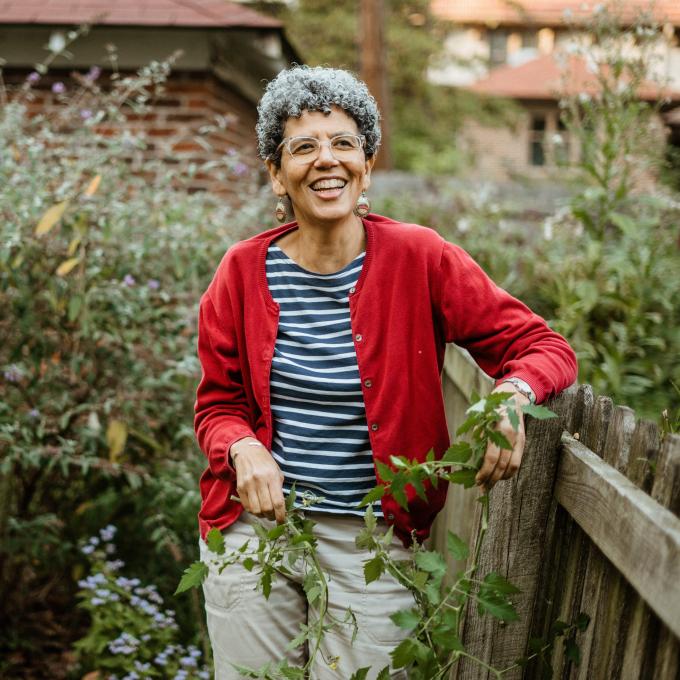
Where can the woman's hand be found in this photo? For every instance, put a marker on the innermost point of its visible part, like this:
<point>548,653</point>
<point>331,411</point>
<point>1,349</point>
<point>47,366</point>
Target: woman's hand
<point>503,463</point>
<point>259,480</point>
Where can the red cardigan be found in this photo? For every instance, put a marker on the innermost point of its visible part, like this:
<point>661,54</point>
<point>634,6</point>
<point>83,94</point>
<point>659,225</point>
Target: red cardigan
<point>416,292</point>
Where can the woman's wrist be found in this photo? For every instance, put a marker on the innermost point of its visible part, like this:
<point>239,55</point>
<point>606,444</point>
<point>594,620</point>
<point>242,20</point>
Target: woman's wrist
<point>242,446</point>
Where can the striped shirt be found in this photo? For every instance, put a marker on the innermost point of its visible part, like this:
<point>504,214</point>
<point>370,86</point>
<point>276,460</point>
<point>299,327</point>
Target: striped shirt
<point>320,437</point>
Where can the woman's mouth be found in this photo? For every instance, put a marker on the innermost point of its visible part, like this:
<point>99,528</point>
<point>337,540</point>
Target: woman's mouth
<point>328,188</point>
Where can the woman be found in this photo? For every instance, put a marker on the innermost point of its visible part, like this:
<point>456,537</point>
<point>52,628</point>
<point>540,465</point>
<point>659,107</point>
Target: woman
<point>322,343</point>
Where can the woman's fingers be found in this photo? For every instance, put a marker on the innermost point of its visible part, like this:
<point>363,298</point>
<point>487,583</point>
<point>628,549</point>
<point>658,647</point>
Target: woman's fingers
<point>501,463</point>
<point>259,483</point>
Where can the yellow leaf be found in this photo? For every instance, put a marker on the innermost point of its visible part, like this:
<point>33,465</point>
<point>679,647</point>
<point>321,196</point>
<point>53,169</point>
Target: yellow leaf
<point>116,436</point>
<point>73,246</point>
<point>50,218</point>
<point>93,186</point>
<point>66,266</point>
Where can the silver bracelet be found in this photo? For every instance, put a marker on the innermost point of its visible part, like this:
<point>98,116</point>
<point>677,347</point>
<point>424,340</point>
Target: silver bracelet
<point>522,387</point>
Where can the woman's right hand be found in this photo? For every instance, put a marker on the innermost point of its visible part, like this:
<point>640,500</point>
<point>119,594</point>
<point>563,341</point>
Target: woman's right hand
<point>259,480</point>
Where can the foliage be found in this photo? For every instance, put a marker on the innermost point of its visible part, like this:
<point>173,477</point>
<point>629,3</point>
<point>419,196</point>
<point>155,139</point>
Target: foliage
<point>433,642</point>
<point>104,253</point>
<point>423,117</point>
<point>131,635</point>
<point>605,268</point>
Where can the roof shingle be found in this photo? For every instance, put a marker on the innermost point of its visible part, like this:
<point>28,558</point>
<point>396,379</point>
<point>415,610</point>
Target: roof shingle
<point>540,12</point>
<point>205,13</point>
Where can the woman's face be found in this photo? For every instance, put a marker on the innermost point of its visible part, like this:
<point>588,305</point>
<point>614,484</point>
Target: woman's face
<point>315,199</point>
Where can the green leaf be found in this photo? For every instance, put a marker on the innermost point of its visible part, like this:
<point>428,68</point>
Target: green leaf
<point>215,541</point>
<point>456,546</point>
<point>248,563</point>
<point>375,494</point>
<point>369,519</point>
<point>418,486</point>
<point>496,606</point>
<point>290,499</point>
<point>385,472</point>
<point>373,569</point>
<point>406,618</point>
<point>572,651</point>
<point>405,653</point>
<point>538,412</point>
<point>513,417</point>
<point>399,461</point>
<point>458,453</point>
<point>430,561</point>
<point>582,621</point>
<point>447,638</point>
<point>464,477</point>
<point>500,440</point>
<point>499,584</point>
<point>276,532</point>
<point>384,674</point>
<point>467,425</point>
<point>193,577</point>
<point>266,582</point>
<point>558,627</point>
<point>361,673</point>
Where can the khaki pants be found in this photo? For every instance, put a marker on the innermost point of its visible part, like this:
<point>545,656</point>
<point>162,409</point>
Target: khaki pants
<point>248,630</point>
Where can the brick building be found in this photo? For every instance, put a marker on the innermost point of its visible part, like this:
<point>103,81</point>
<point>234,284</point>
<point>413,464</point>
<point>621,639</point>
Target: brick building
<point>228,53</point>
<point>513,50</point>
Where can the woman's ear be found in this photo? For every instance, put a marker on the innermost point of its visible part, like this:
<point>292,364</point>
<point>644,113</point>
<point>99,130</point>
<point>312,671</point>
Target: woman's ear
<point>275,177</point>
<point>370,162</point>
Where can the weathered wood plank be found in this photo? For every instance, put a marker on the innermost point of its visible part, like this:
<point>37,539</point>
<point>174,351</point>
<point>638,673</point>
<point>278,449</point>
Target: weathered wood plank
<point>640,537</point>
<point>666,491</point>
<point>514,547</point>
<point>634,627</point>
<point>605,659</point>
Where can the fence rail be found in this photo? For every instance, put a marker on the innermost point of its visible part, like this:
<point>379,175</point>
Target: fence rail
<point>590,525</point>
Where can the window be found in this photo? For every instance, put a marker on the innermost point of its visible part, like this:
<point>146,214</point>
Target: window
<point>537,140</point>
<point>498,47</point>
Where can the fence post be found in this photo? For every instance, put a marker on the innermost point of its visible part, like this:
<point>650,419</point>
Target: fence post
<point>515,545</point>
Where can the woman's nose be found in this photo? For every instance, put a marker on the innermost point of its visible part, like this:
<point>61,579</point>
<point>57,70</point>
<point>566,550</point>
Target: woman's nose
<point>325,157</point>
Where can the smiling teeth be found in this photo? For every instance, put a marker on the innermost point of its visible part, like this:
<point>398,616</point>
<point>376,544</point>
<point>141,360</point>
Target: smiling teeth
<point>328,184</point>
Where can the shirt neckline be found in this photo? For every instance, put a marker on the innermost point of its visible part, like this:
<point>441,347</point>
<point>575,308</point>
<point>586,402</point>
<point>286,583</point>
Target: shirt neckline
<point>300,268</point>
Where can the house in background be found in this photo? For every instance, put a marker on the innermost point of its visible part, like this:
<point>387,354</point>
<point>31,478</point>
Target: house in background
<point>228,51</point>
<point>516,50</point>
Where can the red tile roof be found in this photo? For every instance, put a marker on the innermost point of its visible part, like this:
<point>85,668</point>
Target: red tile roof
<point>181,13</point>
<point>541,78</point>
<point>543,12</point>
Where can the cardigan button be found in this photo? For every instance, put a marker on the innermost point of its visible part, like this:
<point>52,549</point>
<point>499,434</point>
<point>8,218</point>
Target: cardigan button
<point>390,516</point>
<point>368,383</point>
<point>352,290</point>
<point>358,337</point>
<point>374,427</point>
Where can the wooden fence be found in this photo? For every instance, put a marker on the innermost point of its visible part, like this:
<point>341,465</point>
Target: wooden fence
<point>590,524</point>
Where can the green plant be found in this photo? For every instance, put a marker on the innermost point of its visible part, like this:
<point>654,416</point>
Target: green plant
<point>104,253</point>
<point>434,643</point>
<point>131,635</point>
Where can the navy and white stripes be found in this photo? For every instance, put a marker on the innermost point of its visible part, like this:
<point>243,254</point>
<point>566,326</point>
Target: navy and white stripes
<point>320,431</point>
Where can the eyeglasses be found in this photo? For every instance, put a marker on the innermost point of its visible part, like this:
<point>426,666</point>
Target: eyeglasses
<point>307,149</point>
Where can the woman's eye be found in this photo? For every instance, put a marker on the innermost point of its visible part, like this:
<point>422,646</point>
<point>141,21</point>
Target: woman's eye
<point>344,143</point>
<point>303,147</point>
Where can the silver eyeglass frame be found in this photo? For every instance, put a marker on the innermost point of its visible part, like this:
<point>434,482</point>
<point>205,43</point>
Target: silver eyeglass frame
<point>285,143</point>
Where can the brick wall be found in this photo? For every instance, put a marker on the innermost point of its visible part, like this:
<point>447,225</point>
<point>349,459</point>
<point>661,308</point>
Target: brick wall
<point>175,128</point>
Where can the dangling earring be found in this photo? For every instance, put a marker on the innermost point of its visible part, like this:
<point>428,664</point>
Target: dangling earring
<point>363,206</point>
<point>280,210</point>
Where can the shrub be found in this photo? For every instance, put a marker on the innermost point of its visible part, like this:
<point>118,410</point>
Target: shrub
<point>103,256</point>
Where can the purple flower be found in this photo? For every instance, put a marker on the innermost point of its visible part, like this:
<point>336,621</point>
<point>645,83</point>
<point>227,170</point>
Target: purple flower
<point>96,601</point>
<point>129,280</point>
<point>232,152</point>
<point>107,533</point>
<point>188,661</point>
<point>93,73</point>
<point>13,374</point>
<point>240,169</point>
<point>154,284</point>
<point>34,413</point>
<point>85,114</point>
<point>58,88</point>
<point>33,77</point>
<point>114,565</point>
<point>87,549</point>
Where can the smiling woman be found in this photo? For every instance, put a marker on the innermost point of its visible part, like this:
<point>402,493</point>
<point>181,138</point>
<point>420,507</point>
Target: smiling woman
<point>322,344</point>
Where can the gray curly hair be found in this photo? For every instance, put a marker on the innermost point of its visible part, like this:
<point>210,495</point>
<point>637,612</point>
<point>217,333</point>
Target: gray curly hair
<point>306,88</point>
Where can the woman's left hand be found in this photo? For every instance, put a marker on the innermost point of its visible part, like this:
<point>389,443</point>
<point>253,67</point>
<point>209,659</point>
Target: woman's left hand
<point>503,463</point>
